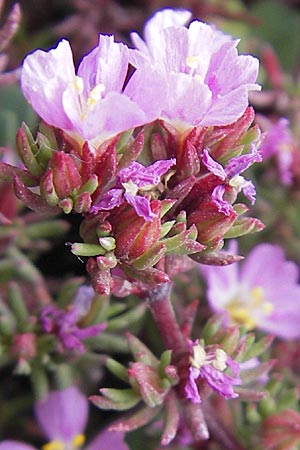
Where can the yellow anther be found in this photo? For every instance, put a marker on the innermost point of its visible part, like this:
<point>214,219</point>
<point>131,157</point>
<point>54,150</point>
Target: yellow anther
<point>78,84</point>
<point>130,187</point>
<point>237,181</point>
<point>241,314</point>
<point>78,440</point>
<point>199,356</point>
<point>192,61</point>
<point>268,307</point>
<point>95,94</point>
<point>54,445</point>
<point>219,362</point>
<point>257,294</point>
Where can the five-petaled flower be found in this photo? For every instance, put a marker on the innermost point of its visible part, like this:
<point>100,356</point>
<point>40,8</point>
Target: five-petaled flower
<point>131,182</point>
<point>209,364</point>
<point>64,323</point>
<point>62,415</point>
<point>206,81</point>
<point>92,104</point>
<point>263,293</point>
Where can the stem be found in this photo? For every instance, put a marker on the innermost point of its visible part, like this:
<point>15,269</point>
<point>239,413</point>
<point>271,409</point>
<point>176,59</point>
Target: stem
<point>218,432</point>
<point>163,313</point>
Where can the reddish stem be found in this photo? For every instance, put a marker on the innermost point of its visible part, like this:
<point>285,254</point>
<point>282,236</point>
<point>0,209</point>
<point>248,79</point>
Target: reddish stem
<point>163,313</point>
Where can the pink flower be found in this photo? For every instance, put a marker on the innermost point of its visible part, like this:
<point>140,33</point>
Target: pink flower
<point>210,364</point>
<point>135,178</point>
<point>91,104</point>
<point>264,292</point>
<point>231,177</point>
<point>206,80</point>
<point>63,415</point>
<point>63,323</point>
<point>278,141</point>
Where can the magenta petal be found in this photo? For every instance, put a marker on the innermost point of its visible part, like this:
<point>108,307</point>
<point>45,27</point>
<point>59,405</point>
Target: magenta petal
<point>15,445</point>
<point>62,414</point>
<point>191,388</point>
<point>219,381</point>
<point>217,196</point>
<point>144,176</point>
<point>141,205</point>
<point>108,440</point>
<point>110,200</point>
<point>213,166</point>
<point>240,163</point>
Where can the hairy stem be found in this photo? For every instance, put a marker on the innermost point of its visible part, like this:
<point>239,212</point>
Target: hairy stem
<point>159,302</point>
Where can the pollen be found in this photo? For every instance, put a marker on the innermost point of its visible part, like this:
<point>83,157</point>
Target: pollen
<point>248,311</point>
<point>78,440</point>
<point>78,84</point>
<point>95,94</point>
<point>192,61</point>
<point>199,356</point>
<point>219,362</point>
<point>54,445</point>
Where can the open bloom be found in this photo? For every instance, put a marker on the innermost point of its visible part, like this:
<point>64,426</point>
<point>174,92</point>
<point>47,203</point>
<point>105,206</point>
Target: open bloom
<point>206,81</point>
<point>62,416</point>
<point>263,293</point>
<point>231,177</point>
<point>210,364</point>
<point>278,142</point>
<point>91,104</point>
<point>131,181</point>
<point>64,323</point>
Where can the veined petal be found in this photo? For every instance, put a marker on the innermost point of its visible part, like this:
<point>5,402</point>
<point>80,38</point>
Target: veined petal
<point>100,123</point>
<point>108,201</point>
<point>62,414</point>
<point>106,64</point>
<point>141,205</point>
<point>213,166</point>
<point>44,78</point>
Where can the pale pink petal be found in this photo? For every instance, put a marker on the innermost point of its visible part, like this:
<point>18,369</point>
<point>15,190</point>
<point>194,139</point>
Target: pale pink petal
<point>15,445</point>
<point>106,64</point>
<point>62,414</point>
<point>107,440</point>
<point>44,77</point>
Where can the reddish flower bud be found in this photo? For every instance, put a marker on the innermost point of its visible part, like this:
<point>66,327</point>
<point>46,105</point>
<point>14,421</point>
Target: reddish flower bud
<point>134,235</point>
<point>66,176</point>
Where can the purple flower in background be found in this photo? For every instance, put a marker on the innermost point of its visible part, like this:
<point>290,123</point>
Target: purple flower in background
<point>231,175</point>
<point>91,104</point>
<point>133,180</point>
<point>278,141</point>
<point>210,364</point>
<point>62,416</point>
<point>63,323</point>
<point>264,292</point>
<point>206,80</point>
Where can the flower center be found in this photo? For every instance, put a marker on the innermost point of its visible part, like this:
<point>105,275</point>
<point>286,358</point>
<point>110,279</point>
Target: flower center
<point>201,358</point>
<point>192,62</point>
<point>247,312</point>
<point>94,95</point>
<point>75,444</point>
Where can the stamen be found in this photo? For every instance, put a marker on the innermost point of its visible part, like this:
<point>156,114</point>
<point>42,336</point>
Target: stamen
<point>192,61</point>
<point>219,362</point>
<point>199,356</point>
<point>78,440</point>
<point>54,445</point>
<point>95,95</point>
<point>130,187</point>
<point>78,84</point>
